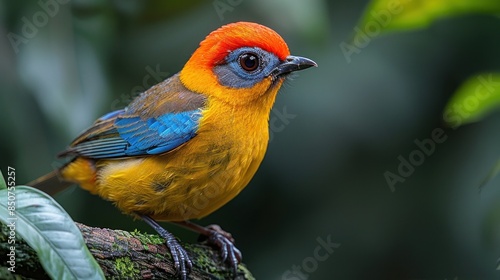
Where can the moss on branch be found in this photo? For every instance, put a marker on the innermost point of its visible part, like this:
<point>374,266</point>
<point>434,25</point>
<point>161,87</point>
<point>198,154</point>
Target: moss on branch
<point>123,255</point>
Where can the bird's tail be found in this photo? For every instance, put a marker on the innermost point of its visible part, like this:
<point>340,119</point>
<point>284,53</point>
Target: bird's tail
<point>51,183</point>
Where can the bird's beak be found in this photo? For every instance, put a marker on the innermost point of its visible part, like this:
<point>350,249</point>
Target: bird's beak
<point>291,64</point>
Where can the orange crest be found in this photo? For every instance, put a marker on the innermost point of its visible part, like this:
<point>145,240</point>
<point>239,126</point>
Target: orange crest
<point>229,37</point>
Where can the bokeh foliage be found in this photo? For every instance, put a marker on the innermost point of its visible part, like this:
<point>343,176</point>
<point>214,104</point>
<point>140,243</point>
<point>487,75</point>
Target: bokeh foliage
<point>323,176</point>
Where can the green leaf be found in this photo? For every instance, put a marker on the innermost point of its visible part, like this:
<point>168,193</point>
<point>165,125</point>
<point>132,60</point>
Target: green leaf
<point>392,15</point>
<point>476,97</point>
<point>3,185</point>
<point>51,232</point>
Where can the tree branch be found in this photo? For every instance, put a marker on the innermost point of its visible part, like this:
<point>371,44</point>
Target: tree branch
<point>122,254</point>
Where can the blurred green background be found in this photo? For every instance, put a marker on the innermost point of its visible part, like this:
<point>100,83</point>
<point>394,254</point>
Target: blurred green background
<point>323,175</point>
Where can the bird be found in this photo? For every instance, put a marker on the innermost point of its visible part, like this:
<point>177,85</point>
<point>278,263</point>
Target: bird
<point>186,146</point>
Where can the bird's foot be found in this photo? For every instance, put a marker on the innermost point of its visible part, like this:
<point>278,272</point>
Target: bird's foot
<point>182,262</point>
<point>225,242</point>
<point>180,257</point>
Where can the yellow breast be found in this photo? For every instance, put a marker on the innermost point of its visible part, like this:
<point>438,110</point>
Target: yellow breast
<point>198,177</point>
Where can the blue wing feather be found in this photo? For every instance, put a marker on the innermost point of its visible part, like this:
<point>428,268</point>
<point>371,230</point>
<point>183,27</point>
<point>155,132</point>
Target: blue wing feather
<point>149,126</point>
<point>158,135</point>
<point>134,136</point>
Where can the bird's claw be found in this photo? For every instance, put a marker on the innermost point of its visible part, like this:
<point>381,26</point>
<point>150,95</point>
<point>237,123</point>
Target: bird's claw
<point>224,241</point>
<point>224,233</point>
<point>182,262</point>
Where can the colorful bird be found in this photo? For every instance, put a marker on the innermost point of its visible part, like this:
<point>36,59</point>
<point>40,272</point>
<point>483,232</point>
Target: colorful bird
<point>188,145</point>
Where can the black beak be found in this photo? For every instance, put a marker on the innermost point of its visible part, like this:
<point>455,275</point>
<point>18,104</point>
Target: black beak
<point>291,64</point>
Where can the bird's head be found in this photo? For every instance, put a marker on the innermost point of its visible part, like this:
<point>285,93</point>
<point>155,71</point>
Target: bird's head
<point>241,63</point>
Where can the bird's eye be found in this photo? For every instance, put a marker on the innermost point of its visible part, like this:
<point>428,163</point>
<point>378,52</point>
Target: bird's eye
<point>249,61</point>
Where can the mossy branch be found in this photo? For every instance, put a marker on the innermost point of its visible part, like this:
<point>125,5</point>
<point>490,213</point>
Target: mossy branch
<point>123,255</point>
